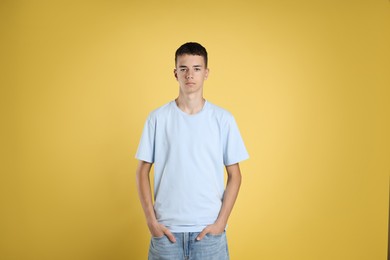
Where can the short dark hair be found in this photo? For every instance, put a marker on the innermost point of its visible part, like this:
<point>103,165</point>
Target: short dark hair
<point>192,48</point>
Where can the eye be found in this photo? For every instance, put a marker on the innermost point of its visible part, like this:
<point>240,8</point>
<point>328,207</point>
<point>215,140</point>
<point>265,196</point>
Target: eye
<point>197,69</point>
<point>183,69</point>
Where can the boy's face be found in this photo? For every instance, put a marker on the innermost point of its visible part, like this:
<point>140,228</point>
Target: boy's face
<point>190,72</point>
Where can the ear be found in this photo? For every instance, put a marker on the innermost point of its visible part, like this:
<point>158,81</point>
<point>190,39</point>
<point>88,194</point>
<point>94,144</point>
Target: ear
<point>207,73</point>
<point>175,73</point>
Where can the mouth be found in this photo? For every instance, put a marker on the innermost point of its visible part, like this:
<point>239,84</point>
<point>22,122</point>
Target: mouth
<point>190,83</point>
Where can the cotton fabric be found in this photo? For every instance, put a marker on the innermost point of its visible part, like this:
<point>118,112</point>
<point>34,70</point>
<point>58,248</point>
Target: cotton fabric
<point>189,153</point>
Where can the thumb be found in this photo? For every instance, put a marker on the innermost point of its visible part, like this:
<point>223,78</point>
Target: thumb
<point>170,236</point>
<point>202,234</point>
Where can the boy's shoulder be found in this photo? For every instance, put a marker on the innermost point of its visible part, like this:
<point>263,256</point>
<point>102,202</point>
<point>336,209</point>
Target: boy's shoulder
<point>161,110</point>
<point>219,111</point>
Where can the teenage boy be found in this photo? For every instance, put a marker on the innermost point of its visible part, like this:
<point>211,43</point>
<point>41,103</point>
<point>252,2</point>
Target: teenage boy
<point>190,141</point>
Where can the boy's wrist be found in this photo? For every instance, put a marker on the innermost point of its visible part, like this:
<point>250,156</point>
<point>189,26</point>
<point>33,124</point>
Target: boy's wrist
<point>220,223</point>
<point>152,222</point>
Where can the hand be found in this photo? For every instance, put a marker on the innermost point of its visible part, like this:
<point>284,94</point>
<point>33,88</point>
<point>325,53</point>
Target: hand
<point>213,229</point>
<point>159,230</point>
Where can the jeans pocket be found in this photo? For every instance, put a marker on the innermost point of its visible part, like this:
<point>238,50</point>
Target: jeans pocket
<point>215,235</point>
<point>158,238</point>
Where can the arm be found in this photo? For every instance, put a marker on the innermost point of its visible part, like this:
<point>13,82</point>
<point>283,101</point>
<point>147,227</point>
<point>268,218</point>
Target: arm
<point>229,198</point>
<point>145,196</point>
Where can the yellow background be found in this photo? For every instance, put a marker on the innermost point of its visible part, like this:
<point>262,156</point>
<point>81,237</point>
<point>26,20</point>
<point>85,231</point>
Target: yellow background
<point>308,82</point>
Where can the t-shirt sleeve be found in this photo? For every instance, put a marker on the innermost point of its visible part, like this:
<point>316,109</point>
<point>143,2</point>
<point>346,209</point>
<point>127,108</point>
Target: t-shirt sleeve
<point>234,148</point>
<point>146,147</point>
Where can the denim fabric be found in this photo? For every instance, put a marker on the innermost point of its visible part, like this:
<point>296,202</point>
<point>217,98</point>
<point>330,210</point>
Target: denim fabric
<point>211,247</point>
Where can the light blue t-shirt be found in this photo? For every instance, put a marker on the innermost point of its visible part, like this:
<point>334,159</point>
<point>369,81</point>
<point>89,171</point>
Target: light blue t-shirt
<point>189,153</point>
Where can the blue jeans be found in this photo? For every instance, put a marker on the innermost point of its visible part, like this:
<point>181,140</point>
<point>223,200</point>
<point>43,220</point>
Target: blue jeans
<point>211,247</point>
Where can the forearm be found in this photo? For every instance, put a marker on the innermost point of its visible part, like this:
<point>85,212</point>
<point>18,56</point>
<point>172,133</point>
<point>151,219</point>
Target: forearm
<point>145,196</point>
<point>230,195</point>
<point>144,191</point>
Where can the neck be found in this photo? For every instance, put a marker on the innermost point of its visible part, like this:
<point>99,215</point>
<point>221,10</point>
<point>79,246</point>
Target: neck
<point>190,104</point>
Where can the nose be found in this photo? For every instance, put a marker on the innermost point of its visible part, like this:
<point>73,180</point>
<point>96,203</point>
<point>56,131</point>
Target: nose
<point>189,75</point>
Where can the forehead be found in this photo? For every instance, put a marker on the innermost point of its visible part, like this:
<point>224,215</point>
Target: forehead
<point>190,60</point>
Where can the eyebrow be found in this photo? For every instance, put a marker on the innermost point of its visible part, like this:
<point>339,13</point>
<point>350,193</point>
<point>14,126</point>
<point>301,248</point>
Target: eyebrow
<point>195,66</point>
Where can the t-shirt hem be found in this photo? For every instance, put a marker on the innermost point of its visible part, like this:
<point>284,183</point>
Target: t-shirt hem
<point>140,158</point>
<point>237,161</point>
<point>181,229</point>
